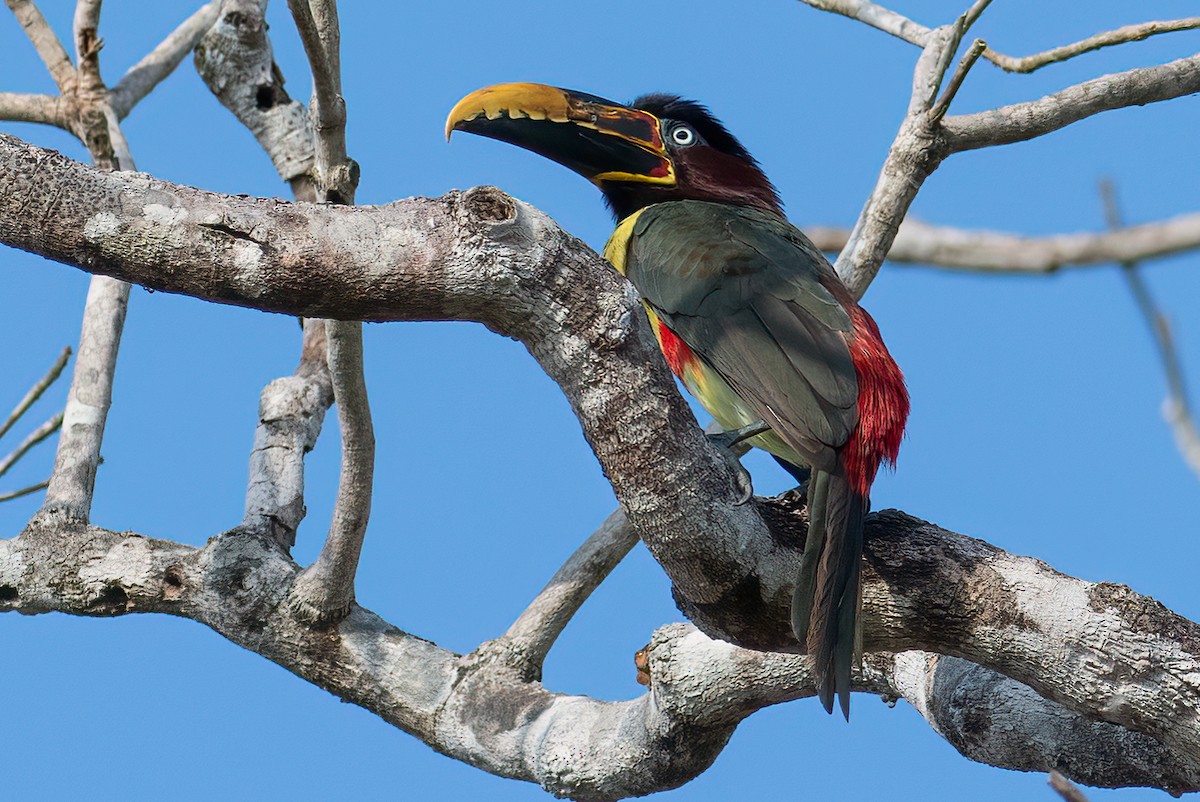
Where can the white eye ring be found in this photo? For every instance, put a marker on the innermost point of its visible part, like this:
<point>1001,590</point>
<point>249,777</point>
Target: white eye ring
<point>683,135</point>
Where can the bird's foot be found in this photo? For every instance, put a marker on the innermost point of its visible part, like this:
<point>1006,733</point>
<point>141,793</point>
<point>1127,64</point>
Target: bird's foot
<point>728,443</point>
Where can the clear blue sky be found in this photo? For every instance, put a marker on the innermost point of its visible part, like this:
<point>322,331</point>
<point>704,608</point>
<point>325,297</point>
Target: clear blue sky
<point>1036,401</point>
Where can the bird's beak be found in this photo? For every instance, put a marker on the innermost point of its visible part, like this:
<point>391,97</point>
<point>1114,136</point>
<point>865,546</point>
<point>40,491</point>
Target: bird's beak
<point>601,140</point>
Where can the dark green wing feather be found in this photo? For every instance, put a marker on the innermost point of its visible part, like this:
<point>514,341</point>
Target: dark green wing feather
<point>743,289</point>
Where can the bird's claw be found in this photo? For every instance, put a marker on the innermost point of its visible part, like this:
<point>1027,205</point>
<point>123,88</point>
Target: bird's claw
<point>728,442</point>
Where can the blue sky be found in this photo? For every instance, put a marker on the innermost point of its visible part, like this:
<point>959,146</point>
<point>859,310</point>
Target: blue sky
<point>1036,418</point>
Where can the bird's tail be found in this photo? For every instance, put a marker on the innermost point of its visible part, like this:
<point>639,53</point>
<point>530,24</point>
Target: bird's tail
<point>828,591</point>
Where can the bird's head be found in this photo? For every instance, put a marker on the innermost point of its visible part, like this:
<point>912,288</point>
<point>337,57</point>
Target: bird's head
<point>658,148</point>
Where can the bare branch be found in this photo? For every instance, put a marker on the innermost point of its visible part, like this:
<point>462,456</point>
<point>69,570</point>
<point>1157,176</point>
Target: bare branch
<point>1022,121</point>
<point>48,45</point>
<point>235,60</point>
<point>878,17</point>
<point>960,74</point>
<point>1176,408</point>
<point>1065,788</point>
<point>1119,36</point>
<point>478,709</point>
<point>162,60</point>
<point>24,491</point>
<point>24,108</point>
<point>37,390</point>
<point>337,175</point>
<point>532,635</point>
<point>87,48</point>
<point>74,477</point>
<point>291,411</point>
<point>324,593</point>
<point>914,155</point>
<point>999,252</point>
<point>915,33</point>
<point>36,436</point>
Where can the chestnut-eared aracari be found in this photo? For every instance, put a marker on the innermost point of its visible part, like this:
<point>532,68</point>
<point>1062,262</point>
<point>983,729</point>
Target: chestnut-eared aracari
<point>749,314</point>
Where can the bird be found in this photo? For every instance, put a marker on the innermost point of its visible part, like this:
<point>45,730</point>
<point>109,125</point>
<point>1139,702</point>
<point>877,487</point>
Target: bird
<point>749,314</point>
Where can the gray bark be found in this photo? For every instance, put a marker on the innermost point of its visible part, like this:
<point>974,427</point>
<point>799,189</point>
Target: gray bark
<point>1099,651</point>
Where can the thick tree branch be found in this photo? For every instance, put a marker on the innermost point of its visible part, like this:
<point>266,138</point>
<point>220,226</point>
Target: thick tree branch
<point>162,60</point>
<point>478,709</point>
<point>660,466</point>
<point>476,256</point>
<point>999,252</point>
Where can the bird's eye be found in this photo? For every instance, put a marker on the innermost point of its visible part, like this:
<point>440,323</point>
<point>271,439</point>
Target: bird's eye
<point>683,135</point>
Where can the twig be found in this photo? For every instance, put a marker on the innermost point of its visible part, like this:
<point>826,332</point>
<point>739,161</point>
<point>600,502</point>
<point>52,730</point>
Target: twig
<point>37,390</point>
<point>162,60</point>
<point>1065,788</point>
<point>1118,36</point>
<point>24,108</point>
<point>1176,408</point>
<point>532,635</point>
<point>964,66</point>
<point>36,436</point>
<point>48,45</point>
<point>24,491</point>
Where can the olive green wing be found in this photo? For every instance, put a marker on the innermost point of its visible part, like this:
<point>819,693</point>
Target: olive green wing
<point>744,289</point>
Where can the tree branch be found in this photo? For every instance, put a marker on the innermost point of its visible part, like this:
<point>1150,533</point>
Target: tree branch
<point>36,391</point>
<point>876,16</point>
<point>325,591</point>
<point>162,60</point>
<point>235,60</point>
<point>1176,408</point>
<point>905,29</point>
<point>23,108</point>
<point>36,436</point>
<point>48,46</point>
<point>1118,36</point>
<point>478,709</point>
<point>998,252</point>
<point>291,411</point>
<point>530,638</point>
<point>73,479</point>
<point>1022,121</point>
<point>24,491</point>
<point>87,48</point>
